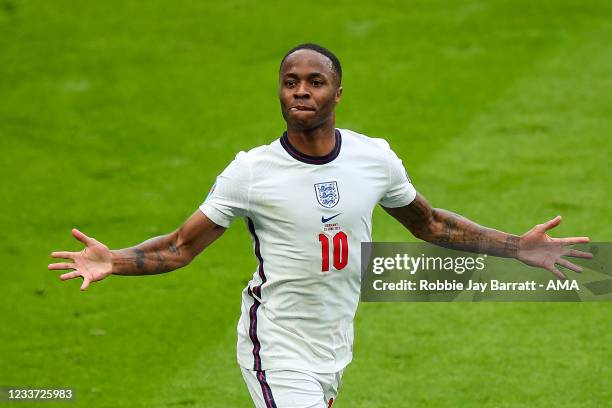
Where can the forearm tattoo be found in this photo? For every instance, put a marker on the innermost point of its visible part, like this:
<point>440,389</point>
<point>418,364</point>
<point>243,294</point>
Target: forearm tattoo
<point>139,258</point>
<point>173,249</point>
<point>453,231</point>
<point>444,228</point>
<point>156,255</point>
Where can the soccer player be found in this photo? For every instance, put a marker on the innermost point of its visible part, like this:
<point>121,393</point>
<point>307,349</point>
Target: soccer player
<point>307,199</point>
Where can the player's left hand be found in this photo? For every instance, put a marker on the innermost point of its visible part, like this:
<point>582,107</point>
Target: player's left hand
<point>538,249</point>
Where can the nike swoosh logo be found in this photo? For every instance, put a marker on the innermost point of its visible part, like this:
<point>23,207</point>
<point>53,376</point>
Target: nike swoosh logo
<point>324,220</point>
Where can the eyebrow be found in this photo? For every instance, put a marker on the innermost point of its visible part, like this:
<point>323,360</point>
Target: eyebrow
<point>311,75</point>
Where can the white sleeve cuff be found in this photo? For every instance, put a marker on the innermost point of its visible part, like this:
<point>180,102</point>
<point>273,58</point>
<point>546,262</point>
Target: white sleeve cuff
<point>215,215</point>
<point>400,199</point>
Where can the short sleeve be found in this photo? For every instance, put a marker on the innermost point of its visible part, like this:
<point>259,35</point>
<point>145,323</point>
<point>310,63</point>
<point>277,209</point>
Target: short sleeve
<point>229,196</point>
<point>400,191</point>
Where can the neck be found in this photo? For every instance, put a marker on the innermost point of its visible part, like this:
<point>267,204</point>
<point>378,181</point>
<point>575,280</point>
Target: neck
<point>319,141</point>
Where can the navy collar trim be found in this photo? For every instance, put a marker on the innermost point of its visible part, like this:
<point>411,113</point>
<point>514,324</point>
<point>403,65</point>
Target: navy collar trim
<point>305,158</point>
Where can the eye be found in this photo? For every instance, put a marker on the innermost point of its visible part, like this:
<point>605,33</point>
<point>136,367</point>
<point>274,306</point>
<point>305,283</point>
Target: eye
<point>289,83</point>
<point>317,82</point>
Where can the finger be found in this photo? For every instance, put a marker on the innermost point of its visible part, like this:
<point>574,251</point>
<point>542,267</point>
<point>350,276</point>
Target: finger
<point>85,284</point>
<point>556,272</point>
<point>81,237</point>
<point>70,275</point>
<point>64,254</point>
<point>550,224</point>
<point>578,254</point>
<point>572,240</point>
<point>569,265</point>
<point>62,265</point>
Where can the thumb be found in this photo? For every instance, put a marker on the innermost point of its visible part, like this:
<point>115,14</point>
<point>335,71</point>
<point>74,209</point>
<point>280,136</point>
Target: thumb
<point>85,284</point>
<point>550,224</point>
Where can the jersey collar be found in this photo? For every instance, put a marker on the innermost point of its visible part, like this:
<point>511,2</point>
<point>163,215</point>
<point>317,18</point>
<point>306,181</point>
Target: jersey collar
<point>305,158</point>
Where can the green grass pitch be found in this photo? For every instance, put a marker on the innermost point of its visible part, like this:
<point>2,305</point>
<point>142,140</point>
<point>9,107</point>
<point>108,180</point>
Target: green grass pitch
<point>116,116</point>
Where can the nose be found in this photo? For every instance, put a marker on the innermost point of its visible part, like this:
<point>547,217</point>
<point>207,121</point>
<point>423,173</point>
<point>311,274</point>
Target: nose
<point>301,91</point>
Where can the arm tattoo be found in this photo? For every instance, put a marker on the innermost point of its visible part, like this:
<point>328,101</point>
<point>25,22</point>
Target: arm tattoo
<point>140,258</point>
<point>453,231</point>
<point>173,249</point>
<point>419,213</point>
<point>450,230</point>
<point>156,255</point>
<point>511,246</point>
<point>446,236</point>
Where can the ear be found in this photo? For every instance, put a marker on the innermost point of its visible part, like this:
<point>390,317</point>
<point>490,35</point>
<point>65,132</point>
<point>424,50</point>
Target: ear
<point>338,94</point>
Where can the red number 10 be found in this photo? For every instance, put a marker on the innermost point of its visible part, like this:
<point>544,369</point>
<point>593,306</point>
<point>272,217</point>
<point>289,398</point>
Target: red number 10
<point>340,242</point>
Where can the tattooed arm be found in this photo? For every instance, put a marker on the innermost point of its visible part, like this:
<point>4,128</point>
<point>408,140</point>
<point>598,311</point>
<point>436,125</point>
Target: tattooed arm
<point>167,252</point>
<point>156,255</point>
<point>447,229</point>
<point>444,228</point>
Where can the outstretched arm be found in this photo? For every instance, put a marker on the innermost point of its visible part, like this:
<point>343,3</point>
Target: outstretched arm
<point>444,228</point>
<point>156,255</point>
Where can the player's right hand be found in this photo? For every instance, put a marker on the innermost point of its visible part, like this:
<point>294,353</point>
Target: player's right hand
<point>93,263</point>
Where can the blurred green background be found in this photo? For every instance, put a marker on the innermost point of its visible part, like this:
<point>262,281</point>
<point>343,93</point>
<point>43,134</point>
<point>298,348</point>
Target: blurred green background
<point>116,117</point>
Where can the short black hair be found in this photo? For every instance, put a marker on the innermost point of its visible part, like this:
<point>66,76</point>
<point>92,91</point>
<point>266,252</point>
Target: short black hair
<point>337,68</point>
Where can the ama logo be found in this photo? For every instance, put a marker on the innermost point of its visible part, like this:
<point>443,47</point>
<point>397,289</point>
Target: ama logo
<point>327,194</point>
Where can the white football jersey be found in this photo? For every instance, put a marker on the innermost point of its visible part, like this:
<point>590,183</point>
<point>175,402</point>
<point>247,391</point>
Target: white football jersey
<point>307,217</point>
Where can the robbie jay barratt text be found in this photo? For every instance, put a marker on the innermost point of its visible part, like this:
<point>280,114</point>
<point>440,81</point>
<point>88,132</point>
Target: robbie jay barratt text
<point>453,285</point>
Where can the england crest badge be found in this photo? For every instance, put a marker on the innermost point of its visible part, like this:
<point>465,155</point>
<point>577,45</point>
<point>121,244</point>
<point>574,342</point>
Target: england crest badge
<point>327,194</point>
